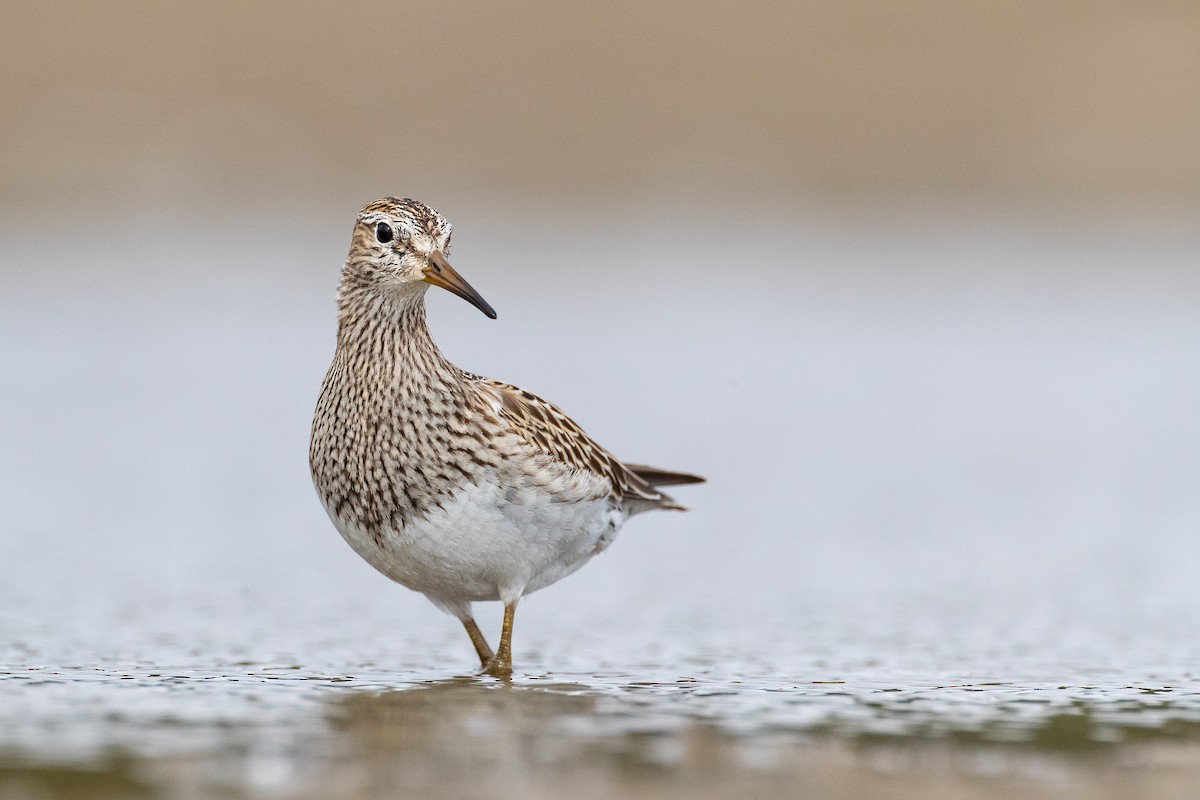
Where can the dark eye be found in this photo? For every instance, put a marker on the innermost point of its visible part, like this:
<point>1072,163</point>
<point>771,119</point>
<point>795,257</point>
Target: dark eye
<point>383,232</point>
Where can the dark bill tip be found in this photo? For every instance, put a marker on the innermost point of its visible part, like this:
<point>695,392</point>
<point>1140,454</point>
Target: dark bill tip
<point>440,273</point>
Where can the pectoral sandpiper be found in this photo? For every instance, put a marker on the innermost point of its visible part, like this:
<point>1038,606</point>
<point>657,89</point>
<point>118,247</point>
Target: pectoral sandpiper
<point>457,486</point>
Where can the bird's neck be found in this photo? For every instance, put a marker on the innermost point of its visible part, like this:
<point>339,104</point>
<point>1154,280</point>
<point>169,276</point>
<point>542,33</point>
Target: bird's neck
<point>386,331</point>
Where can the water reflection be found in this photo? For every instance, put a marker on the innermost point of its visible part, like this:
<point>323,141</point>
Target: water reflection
<point>546,737</point>
<point>698,738</point>
<point>464,735</point>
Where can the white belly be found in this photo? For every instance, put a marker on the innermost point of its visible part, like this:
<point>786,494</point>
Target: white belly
<point>478,545</point>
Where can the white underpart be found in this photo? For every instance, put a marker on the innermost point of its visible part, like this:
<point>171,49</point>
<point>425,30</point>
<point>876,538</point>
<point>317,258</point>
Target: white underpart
<point>484,543</point>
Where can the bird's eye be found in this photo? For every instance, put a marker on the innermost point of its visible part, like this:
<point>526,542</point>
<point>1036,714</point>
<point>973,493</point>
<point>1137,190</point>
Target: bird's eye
<point>384,233</point>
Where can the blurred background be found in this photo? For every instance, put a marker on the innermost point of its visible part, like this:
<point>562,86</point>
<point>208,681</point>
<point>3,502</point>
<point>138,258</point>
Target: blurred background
<point>913,284</point>
<point>230,109</point>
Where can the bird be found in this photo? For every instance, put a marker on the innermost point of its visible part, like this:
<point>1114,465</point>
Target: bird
<point>460,487</point>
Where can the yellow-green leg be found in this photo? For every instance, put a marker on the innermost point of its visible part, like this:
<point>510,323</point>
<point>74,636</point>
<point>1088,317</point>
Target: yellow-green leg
<point>481,645</point>
<point>500,665</point>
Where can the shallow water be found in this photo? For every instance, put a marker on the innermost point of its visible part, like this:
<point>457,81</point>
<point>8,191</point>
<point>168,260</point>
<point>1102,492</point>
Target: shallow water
<point>948,534</point>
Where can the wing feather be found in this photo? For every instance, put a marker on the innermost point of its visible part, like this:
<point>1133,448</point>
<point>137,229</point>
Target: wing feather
<point>546,428</point>
<point>662,477</point>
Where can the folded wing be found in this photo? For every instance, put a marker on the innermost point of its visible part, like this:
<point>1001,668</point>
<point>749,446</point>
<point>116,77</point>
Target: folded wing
<point>546,428</point>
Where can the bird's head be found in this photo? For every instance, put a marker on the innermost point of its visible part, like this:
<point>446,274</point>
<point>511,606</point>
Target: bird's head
<point>401,245</point>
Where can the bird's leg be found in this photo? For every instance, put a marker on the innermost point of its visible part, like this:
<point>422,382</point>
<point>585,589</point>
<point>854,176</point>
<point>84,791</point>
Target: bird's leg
<point>500,665</point>
<point>481,645</point>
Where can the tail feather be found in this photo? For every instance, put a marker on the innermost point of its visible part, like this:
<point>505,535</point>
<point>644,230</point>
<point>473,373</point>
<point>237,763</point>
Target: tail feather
<point>662,477</point>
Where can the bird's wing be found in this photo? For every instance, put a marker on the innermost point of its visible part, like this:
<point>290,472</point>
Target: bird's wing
<point>547,429</point>
<point>662,477</point>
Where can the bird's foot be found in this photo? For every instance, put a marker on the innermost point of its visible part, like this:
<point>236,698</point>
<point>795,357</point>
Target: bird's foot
<point>499,667</point>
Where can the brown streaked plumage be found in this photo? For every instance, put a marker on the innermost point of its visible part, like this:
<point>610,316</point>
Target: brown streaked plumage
<point>455,485</point>
<point>547,428</point>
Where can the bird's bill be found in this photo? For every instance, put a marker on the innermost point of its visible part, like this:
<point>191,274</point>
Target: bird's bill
<point>440,273</point>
